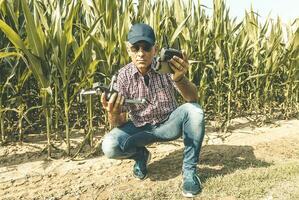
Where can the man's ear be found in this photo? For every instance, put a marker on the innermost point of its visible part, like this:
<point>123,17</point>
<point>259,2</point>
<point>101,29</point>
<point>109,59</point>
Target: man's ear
<point>156,49</point>
<point>128,48</point>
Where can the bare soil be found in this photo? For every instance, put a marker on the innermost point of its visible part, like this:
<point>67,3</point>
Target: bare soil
<point>25,173</point>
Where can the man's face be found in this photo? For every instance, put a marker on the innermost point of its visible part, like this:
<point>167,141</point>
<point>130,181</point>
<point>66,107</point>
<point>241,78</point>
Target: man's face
<point>142,54</point>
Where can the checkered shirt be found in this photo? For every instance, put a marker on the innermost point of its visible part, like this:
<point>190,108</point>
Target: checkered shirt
<point>159,94</point>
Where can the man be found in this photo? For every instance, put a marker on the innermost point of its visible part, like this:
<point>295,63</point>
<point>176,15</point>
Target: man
<point>160,118</point>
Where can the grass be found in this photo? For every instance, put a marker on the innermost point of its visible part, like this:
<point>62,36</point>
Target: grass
<point>252,183</point>
<point>278,181</point>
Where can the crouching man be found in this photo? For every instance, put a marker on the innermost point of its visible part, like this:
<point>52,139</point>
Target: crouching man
<point>159,118</point>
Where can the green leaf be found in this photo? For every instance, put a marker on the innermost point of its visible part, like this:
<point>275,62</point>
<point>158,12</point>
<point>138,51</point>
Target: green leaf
<point>179,30</point>
<point>31,28</point>
<point>12,35</point>
<point>35,64</point>
<point>8,54</point>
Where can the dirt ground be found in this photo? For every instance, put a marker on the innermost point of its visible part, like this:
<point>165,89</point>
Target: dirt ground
<point>26,174</point>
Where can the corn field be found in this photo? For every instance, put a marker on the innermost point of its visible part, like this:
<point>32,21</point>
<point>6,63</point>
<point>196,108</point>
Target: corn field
<point>50,50</point>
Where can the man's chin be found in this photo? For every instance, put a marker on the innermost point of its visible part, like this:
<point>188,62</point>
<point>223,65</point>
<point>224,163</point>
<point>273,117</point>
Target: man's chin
<point>142,66</point>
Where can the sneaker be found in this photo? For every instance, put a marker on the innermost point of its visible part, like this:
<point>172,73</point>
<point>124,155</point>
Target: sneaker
<point>140,167</point>
<point>191,185</point>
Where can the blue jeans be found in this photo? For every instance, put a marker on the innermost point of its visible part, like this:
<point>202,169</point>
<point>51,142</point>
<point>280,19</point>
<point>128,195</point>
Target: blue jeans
<point>128,141</point>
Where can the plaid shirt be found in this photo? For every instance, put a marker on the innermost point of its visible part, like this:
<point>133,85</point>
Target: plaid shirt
<point>160,95</point>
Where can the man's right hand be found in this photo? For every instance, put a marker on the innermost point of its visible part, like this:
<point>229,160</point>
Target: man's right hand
<point>113,106</point>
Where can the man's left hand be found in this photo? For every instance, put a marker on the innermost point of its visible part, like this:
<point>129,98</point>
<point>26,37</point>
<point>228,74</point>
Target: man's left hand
<point>179,66</point>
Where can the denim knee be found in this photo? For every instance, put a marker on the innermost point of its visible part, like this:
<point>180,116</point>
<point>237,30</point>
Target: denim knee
<point>194,112</point>
<point>109,147</point>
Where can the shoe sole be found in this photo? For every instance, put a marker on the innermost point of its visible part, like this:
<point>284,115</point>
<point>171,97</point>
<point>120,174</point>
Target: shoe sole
<point>188,195</point>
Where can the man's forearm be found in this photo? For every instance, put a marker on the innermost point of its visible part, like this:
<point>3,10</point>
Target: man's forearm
<point>187,89</point>
<point>116,119</point>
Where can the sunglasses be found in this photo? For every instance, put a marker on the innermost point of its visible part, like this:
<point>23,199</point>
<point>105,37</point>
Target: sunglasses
<point>145,47</point>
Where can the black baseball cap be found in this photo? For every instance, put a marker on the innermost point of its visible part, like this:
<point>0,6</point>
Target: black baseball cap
<point>141,32</point>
